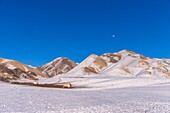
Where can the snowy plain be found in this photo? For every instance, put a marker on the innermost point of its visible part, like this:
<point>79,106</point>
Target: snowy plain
<point>96,95</point>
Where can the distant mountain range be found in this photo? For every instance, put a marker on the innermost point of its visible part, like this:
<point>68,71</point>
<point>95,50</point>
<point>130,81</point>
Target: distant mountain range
<point>123,63</point>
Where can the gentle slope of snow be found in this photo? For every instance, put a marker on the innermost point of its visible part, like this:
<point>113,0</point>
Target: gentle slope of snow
<point>123,97</point>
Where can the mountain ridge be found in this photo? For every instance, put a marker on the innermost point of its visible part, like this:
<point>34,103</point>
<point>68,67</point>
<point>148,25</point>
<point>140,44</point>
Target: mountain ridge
<point>59,65</point>
<point>124,62</point>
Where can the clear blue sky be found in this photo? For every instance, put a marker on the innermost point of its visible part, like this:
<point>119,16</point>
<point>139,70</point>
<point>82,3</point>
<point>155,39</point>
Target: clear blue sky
<point>38,31</point>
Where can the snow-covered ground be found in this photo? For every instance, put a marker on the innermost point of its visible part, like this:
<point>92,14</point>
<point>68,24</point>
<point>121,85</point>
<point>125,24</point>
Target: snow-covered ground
<point>98,95</point>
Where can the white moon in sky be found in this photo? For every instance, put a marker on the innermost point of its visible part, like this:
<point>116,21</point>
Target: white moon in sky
<point>114,36</point>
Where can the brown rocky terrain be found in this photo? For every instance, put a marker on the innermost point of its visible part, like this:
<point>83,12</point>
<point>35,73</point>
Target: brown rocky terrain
<point>122,63</point>
<point>14,70</point>
<point>57,66</point>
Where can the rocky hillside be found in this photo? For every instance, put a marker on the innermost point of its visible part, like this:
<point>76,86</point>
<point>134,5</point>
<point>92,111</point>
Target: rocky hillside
<point>122,63</point>
<point>57,66</point>
<point>130,63</point>
<point>14,70</point>
<point>93,64</point>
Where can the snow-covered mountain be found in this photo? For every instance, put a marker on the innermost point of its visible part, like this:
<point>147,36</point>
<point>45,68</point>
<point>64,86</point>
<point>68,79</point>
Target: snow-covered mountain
<point>122,63</point>
<point>131,63</point>
<point>14,70</point>
<point>57,66</point>
<point>126,63</point>
<point>93,64</point>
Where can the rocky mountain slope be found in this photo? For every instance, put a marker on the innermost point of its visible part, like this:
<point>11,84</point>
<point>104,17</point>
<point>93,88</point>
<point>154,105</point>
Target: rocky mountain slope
<point>131,63</point>
<point>122,63</point>
<point>14,70</point>
<point>93,64</point>
<point>57,66</point>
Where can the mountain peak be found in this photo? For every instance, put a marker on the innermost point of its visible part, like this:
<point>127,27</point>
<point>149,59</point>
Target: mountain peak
<point>92,56</point>
<point>59,65</point>
<point>13,70</point>
<point>124,62</point>
<point>126,51</point>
